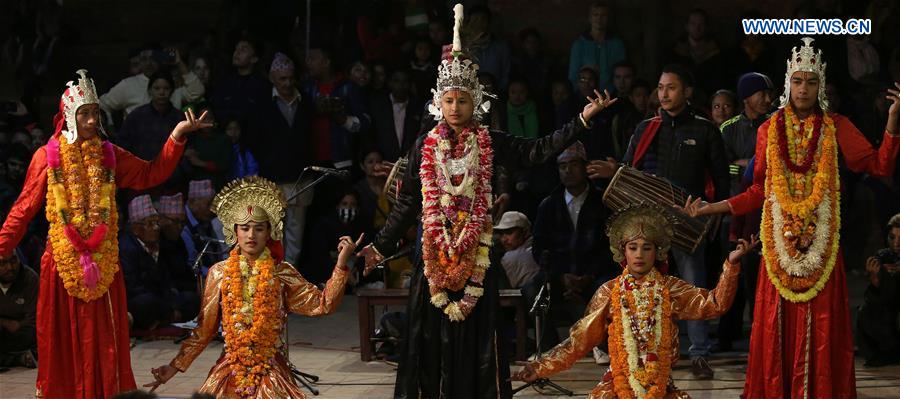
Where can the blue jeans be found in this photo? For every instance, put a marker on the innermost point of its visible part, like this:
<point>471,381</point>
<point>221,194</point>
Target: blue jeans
<point>692,268</point>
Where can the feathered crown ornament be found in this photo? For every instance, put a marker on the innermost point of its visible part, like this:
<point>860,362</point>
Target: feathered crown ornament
<point>457,72</point>
<point>642,220</point>
<point>807,59</point>
<point>250,199</point>
<point>73,98</point>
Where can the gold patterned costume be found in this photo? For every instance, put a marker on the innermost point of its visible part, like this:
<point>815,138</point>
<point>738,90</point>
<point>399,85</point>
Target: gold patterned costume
<point>254,199</point>
<point>682,301</point>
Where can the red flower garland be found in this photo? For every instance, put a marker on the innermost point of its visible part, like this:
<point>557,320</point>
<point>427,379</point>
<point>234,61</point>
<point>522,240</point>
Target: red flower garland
<point>811,150</point>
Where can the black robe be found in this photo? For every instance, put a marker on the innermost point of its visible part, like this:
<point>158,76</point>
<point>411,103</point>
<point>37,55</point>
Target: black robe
<point>442,358</point>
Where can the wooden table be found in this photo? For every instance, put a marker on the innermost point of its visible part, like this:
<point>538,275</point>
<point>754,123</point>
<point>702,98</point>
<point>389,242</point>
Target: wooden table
<point>370,298</point>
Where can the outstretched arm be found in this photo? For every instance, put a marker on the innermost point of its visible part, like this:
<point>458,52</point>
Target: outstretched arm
<point>584,335</point>
<point>303,297</point>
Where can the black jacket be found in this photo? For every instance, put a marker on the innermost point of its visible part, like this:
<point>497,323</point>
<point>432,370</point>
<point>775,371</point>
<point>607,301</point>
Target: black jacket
<point>382,111</point>
<point>582,251</point>
<point>685,149</point>
<point>282,151</point>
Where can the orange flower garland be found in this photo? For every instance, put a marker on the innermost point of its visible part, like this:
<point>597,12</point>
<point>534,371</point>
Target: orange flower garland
<point>650,374</point>
<point>801,214</point>
<point>80,190</point>
<point>250,319</point>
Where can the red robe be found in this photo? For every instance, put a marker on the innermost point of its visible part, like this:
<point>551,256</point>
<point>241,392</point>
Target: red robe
<point>805,349</point>
<point>83,346</point>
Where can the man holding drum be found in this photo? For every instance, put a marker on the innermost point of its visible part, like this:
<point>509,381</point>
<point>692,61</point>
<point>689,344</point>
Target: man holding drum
<point>687,150</point>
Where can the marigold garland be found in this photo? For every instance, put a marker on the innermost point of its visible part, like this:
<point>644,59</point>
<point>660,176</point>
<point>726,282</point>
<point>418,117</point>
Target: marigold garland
<point>801,214</point>
<point>456,200</point>
<point>250,319</point>
<point>80,203</point>
<point>641,352</point>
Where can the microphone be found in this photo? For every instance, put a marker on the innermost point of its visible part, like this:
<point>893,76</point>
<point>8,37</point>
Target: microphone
<point>341,174</point>
<point>204,238</point>
<point>401,253</point>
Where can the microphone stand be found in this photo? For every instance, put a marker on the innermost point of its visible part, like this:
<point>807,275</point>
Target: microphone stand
<point>198,274</point>
<point>539,309</point>
<point>304,379</point>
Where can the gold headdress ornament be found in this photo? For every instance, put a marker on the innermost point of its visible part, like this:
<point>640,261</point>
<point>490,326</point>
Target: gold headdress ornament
<point>643,220</point>
<point>807,59</point>
<point>250,199</point>
<point>73,98</point>
<point>456,72</point>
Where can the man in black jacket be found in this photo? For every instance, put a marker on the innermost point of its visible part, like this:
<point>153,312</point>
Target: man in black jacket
<point>396,117</point>
<point>18,304</point>
<point>280,141</point>
<point>685,149</point>
<point>570,225</point>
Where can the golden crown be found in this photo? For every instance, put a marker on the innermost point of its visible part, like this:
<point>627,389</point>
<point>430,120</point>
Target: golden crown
<point>642,220</point>
<point>250,199</point>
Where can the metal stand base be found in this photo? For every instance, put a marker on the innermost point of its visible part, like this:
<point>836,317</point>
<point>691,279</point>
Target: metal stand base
<point>544,383</point>
<point>305,379</point>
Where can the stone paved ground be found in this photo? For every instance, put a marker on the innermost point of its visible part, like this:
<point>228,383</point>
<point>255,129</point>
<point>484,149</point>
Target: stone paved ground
<point>328,347</point>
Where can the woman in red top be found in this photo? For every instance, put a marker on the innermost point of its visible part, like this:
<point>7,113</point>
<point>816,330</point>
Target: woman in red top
<point>82,320</point>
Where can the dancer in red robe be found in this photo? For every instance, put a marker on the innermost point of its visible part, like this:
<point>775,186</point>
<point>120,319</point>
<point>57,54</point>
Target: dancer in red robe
<point>801,344</point>
<point>82,322</point>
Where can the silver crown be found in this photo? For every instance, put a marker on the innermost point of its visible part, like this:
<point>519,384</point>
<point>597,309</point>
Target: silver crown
<point>458,74</point>
<point>806,59</point>
<point>73,98</point>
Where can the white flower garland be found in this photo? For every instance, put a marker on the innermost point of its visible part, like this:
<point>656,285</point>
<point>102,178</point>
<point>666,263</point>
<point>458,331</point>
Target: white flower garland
<point>628,335</point>
<point>803,264</point>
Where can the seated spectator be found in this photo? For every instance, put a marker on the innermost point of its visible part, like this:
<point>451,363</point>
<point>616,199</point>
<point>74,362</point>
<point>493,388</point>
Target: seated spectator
<point>244,164</point>
<point>202,226</point>
<point>360,74</point>
<point>153,300</point>
<point>723,106</point>
<point>518,262</point>
<point>16,165</point>
<point>172,219</point>
<point>698,50</point>
<point>521,116</point>
<point>422,68</point>
<point>532,64</point>
<point>374,206</point>
<point>147,127</point>
<point>597,47</point>
<point>631,113</point>
<point>879,317</point>
<point>396,117</point>
<point>563,102</point>
<point>570,225</point>
<point>132,91</point>
<point>208,152</point>
<point>623,74</point>
<point>342,221</point>
<point>18,309</point>
<point>340,110</point>
<point>237,93</point>
<point>200,66</point>
<point>491,52</point>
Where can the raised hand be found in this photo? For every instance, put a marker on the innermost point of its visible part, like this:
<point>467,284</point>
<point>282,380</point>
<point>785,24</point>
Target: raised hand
<point>346,247</point>
<point>190,124</point>
<point>595,105</point>
<point>742,249</point>
<point>599,169</point>
<point>894,110</point>
<point>372,258</point>
<point>161,375</point>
